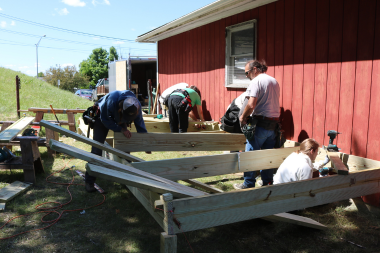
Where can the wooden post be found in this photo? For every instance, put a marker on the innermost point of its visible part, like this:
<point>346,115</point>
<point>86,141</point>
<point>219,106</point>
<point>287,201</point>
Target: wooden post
<point>27,159</point>
<point>71,120</point>
<point>39,116</point>
<point>168,242</point>
<point>50,135</point>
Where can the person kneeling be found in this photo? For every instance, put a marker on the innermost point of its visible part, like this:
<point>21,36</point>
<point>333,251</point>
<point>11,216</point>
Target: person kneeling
<point>299,165</point>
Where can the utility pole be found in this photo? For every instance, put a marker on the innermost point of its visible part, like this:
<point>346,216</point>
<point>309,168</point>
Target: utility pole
<point>37,52</point>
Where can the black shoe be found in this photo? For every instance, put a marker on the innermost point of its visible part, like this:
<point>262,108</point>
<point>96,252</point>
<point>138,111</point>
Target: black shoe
<point>90,187</point>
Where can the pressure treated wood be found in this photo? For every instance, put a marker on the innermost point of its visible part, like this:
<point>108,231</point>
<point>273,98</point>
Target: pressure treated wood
<point>140,182</point>
<point>207,166</point>
<point>206,187</point>
<point>163,126</point>
<point>100,161</point>
<point>219,209</point>
<point>13,130</point>
<point>179,142</point>
<point>337,163</point>
<point>295,219</point>
<point>91,142</point>
<point>11,191</point>
<point>58,111</point>
<point>168,243</point>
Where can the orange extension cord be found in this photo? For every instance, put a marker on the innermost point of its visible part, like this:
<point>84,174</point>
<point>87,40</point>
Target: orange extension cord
<point>50,210</point>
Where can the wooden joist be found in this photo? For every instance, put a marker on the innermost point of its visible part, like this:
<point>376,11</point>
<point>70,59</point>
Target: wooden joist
<point>207,166</point>
<point>102,162</point>
<point>140,182</point>
<point>179,142</point>
<point>13,130</point>
<point>163,126</point>
<point>91,142</point>
<point>337,163</point>
<point>219,209</point>
<point>59,111</point>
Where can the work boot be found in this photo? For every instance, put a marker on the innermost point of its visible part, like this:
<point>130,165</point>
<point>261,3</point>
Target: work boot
<point>90,187</point>
<point>240,186</point>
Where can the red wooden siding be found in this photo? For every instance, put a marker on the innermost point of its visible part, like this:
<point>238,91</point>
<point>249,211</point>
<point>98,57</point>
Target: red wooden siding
<point>323,53</point>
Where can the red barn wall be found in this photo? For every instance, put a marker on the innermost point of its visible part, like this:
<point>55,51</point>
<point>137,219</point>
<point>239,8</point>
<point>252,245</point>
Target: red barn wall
<point>325,54</point>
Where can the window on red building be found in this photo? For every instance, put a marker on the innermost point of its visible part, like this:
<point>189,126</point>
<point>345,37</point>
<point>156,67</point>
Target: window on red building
<point>240,48</point>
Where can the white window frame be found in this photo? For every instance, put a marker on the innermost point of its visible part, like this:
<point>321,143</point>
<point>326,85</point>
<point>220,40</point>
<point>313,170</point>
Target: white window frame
<point>229,30</point>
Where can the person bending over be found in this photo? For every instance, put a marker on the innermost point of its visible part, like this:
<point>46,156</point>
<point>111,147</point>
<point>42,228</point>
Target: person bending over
<point>180,104</point>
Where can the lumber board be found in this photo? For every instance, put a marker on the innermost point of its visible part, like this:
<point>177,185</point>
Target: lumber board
<point>179,142</point>
<point>140,182</point>
<point>100,161</point>
<point>12,190</point>
<point>13,130</point>
<point>168,243</point>
<point>91,142</point>
<point>57,111</point>
<point>337,163</point>
<point>203,186</point>
<point>359,163</point>
<point>224,208</point>
<point>163,126</point>
<point>207,166</point>
<point>295,219</point>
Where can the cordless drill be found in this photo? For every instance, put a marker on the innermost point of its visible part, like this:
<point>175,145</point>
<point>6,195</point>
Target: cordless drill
<point>331,147</point>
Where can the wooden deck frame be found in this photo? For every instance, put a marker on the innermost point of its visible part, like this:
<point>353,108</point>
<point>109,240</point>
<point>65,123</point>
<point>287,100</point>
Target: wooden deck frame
<point>179,142</point>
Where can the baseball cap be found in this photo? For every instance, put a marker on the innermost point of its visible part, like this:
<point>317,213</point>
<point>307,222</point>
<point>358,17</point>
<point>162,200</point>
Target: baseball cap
<point>131,108</point>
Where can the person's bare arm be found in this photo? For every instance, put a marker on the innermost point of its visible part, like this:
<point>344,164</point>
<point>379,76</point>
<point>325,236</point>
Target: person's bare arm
<point>200,112</point>
<point>192,116</point>
<point>248,110</point>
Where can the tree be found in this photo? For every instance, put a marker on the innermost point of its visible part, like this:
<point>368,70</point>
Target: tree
<point>41,74</point>
<point>69,78</point>
<point>113,54</point>
<point>95,67</point>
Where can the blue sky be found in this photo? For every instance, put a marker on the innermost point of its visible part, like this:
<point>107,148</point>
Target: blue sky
<point>121,20</point>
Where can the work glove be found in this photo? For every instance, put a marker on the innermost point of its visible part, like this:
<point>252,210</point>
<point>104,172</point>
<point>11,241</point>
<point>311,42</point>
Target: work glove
<point>320,164</point>
<point>326,161</point>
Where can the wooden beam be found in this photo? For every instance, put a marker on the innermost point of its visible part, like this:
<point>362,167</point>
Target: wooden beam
<point>356,163</point>
<point>57,111</point>
<point>337,163</point>
<point>100,161</point>
<point>13,130</point>
<point>163,126</point>
<point>179,142</point>
<point>295,219</point>
<point>89,141</point>
<point>219,209</point>
<point>140,182</point>
<point>203,186</point>
<point>207,166</point>
<point>168,243</point>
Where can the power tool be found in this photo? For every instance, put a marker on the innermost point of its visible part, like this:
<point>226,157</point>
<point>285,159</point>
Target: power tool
<point>331,147</point>
<point>324,171</point>
<point>6,155</point>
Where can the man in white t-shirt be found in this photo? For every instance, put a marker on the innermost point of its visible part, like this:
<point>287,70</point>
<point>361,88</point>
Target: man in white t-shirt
<point>263,105</point>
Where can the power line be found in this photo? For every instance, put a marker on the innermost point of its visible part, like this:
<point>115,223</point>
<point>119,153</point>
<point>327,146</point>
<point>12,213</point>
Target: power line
<point>61,29</point>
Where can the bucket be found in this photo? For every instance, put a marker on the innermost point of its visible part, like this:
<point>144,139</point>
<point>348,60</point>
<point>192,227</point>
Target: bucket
<point>37,128</point>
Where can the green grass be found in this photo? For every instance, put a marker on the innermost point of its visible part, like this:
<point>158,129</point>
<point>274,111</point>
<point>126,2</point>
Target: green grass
<point>121,224</point>
<point>34,93</point>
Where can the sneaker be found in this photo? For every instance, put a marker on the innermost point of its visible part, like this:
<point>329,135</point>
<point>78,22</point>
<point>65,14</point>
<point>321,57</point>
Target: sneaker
<point>90,187</point>
<point>240,186</point>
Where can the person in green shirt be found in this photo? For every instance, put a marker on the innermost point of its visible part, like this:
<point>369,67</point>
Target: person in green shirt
<point>179,108</point>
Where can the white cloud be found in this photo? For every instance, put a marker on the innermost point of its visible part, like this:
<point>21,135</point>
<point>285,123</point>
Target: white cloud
<point>94,2</point>
<point>64,11</point>
<point>1,9</point>
<point>10,65</point>
<point>74,3</point>
<point>24,67</point>
<point>3,24</point>
<point>118,42</point>
<point>133,29</point>
<point>96,38</point>
<point>13,23</point>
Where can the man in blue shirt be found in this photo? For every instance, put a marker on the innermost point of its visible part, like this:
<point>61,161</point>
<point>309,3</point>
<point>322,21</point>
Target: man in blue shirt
<point>117,110</point>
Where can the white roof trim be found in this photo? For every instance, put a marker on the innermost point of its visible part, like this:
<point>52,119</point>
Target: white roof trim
<point>205,15</point>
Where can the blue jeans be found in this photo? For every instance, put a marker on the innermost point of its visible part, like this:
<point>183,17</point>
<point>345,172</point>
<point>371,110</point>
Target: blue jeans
<point>264,139</point>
